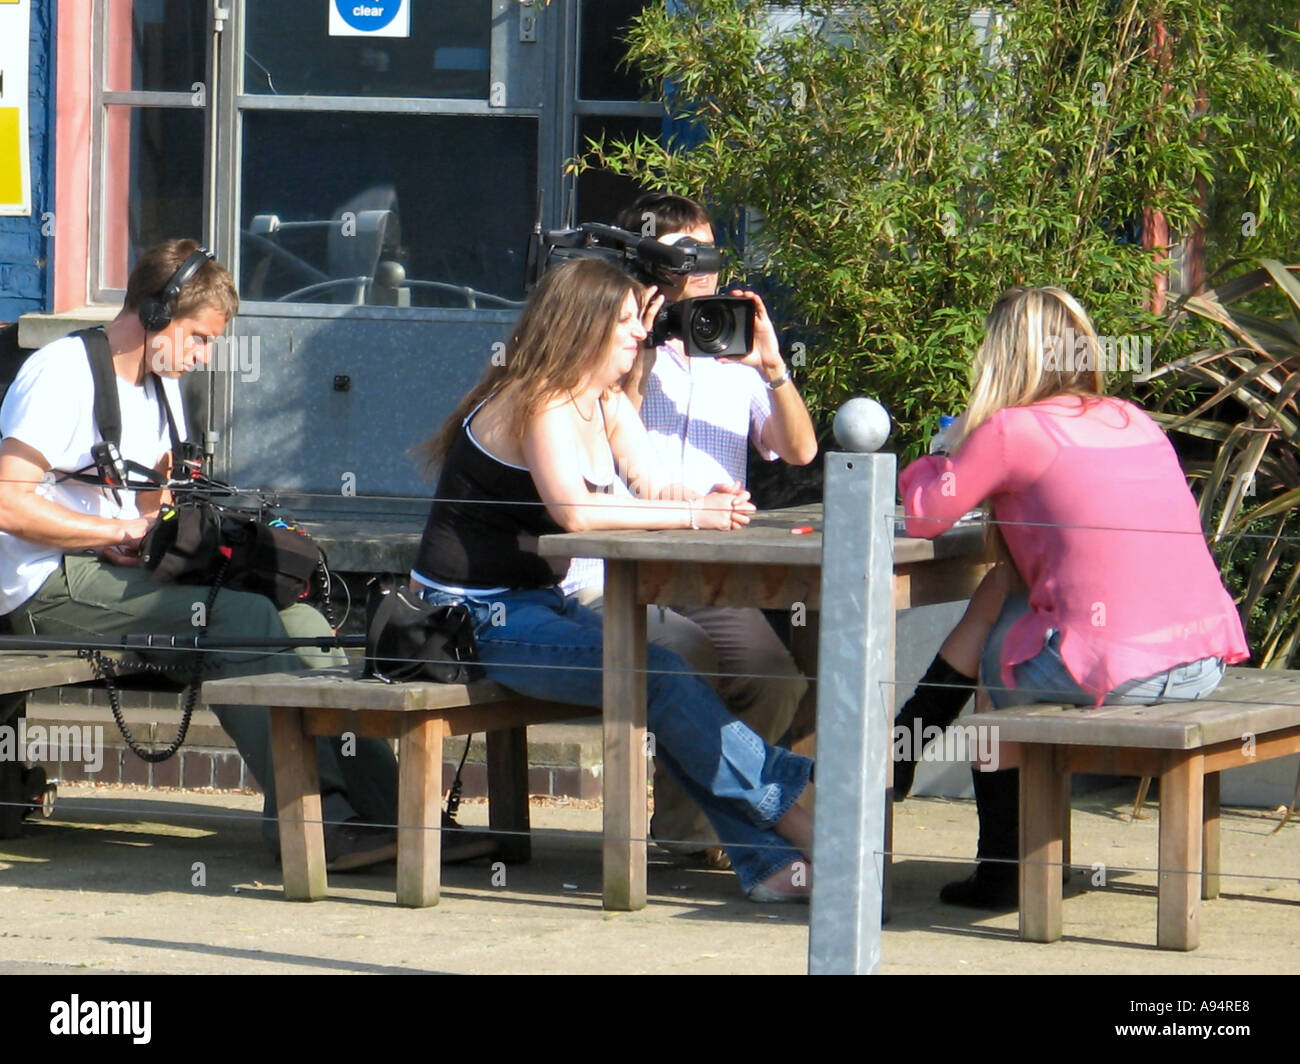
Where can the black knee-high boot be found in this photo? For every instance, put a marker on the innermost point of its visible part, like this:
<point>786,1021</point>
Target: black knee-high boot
<point>995,884</point>
<point>939,698</point>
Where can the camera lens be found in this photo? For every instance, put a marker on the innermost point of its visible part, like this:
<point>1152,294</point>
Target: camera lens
<point>712,328</point>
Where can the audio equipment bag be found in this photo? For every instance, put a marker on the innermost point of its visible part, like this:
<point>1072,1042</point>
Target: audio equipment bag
<point>192,543</point>
<point>407,639</point>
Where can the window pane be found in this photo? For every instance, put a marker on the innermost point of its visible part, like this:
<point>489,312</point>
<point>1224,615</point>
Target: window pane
<point>153,182</point>
<point>602,195</point>
<point>168,45</point>
<point>603,75</point>
<point>329,198</point>
<point>288,52</point>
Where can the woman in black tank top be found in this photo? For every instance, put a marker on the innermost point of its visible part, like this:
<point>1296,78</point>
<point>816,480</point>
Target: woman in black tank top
<point>531,450</point>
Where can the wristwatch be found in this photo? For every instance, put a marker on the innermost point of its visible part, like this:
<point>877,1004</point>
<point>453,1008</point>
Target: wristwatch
<point>774,385</point>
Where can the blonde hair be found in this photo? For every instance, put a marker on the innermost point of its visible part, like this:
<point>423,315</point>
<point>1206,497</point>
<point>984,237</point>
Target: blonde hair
<point>1038,343</point>
<point>560,339</point>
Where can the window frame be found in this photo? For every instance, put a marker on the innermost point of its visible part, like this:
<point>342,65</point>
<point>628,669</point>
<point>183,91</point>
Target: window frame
<point>532,91</point>
<point>102,98</point>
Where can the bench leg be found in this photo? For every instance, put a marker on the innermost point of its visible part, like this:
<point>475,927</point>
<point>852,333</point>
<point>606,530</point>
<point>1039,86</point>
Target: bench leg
<point>1042,815</point>
<point>1210,839</point>
<point>623,779</point>
<point>507,767</point>
<point>1178,921</point>
<point>419,811</point>
<point>297,796</point>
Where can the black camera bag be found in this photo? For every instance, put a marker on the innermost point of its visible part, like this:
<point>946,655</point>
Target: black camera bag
<point>191,543</point>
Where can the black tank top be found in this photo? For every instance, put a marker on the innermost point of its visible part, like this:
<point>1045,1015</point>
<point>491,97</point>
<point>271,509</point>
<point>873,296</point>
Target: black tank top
<point>484,524</point>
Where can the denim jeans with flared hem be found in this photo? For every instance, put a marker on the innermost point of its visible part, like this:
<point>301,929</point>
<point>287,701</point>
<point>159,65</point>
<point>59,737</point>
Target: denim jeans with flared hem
<point>542,645</point>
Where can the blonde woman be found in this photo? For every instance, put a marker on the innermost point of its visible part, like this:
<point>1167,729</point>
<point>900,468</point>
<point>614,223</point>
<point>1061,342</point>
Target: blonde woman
<point>535,447</point>
<point>1109,595</point>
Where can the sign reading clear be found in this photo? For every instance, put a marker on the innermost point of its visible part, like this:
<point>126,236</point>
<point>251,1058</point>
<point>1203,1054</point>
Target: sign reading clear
<point>15,164</point>
<point>369,18</point>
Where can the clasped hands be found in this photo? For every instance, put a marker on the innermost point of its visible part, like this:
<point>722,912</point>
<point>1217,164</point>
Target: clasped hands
<point>725,509</point>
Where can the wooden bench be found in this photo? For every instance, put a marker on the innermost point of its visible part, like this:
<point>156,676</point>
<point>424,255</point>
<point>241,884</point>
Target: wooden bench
<point>331,702</point>
<point>21,673</point>
<point>1253,716</point>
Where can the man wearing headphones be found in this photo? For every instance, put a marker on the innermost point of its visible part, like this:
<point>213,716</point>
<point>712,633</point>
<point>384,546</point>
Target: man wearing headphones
<point>69,561</point>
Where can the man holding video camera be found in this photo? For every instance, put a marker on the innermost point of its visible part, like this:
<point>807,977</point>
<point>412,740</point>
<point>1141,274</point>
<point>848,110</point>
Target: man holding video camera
<point>70,532</point>
<point>702,413</point>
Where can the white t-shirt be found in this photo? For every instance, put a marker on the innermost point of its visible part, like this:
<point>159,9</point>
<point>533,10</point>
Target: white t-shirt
<point>51,407</point>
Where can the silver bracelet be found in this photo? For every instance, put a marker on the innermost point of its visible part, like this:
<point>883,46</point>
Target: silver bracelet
<point>774,385</point>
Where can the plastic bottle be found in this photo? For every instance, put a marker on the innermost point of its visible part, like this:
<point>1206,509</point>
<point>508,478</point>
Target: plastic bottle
<point>939,441</point>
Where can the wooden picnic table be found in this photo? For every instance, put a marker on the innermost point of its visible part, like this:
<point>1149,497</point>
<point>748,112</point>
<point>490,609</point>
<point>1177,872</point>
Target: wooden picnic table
<point>763,565</point>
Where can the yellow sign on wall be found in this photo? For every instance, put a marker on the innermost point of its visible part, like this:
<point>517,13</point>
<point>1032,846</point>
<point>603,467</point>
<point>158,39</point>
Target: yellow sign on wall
<point>15,163</point>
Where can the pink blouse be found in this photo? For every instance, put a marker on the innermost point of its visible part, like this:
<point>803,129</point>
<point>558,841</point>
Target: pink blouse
<point>1098,518</point>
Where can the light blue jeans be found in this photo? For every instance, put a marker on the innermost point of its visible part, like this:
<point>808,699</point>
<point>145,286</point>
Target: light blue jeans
<point>1044,677</point>
<point>543,645</point>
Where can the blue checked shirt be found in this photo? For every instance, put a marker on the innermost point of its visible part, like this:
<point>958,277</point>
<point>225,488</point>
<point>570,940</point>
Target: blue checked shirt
<point>701,415</point>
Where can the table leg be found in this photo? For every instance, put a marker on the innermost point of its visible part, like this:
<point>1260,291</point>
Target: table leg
<point>297,796</point>
<point>507,766</point>
<point>624,776</point>
<point>419,811</point>
<point>1042,817</point>
<point>803,729</point>
<point>1210,838</point>
<point>1178,922</point>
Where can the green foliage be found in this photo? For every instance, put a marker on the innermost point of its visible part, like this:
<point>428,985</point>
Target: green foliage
<point>1248,204</point>
<point>906,165</point>
<point>1240,437</point>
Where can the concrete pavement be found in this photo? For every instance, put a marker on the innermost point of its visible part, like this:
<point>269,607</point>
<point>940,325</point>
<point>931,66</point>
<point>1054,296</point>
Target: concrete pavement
<point>148,881</point>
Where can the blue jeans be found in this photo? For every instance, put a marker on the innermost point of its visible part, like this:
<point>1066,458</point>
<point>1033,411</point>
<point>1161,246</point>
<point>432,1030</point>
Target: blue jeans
<point>1044,677</point>
<point>543,645</point>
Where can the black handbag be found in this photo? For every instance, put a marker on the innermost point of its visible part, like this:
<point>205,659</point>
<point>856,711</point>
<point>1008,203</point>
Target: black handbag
<point>194,542</point>
<point>407,639</point>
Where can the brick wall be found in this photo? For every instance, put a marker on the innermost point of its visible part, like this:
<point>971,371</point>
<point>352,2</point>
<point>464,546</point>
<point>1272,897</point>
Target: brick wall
<point>564,758</point>
<point>25,282</point>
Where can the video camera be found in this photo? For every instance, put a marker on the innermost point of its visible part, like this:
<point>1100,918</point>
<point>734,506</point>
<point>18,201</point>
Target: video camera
<point>708,326</point>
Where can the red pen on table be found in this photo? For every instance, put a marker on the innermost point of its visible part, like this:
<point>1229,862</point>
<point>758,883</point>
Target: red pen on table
<point>801,530</point>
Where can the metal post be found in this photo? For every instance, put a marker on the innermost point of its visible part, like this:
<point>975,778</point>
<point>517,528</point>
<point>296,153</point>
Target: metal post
<point>853,713</point>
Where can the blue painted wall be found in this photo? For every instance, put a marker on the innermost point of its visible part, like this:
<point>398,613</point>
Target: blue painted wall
<point>26,281</point>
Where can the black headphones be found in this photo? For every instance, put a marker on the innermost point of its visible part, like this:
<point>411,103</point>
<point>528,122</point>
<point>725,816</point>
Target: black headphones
<point>156,311</point>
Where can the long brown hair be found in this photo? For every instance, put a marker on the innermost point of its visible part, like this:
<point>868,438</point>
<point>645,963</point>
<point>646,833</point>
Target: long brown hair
<point>560,338</point>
